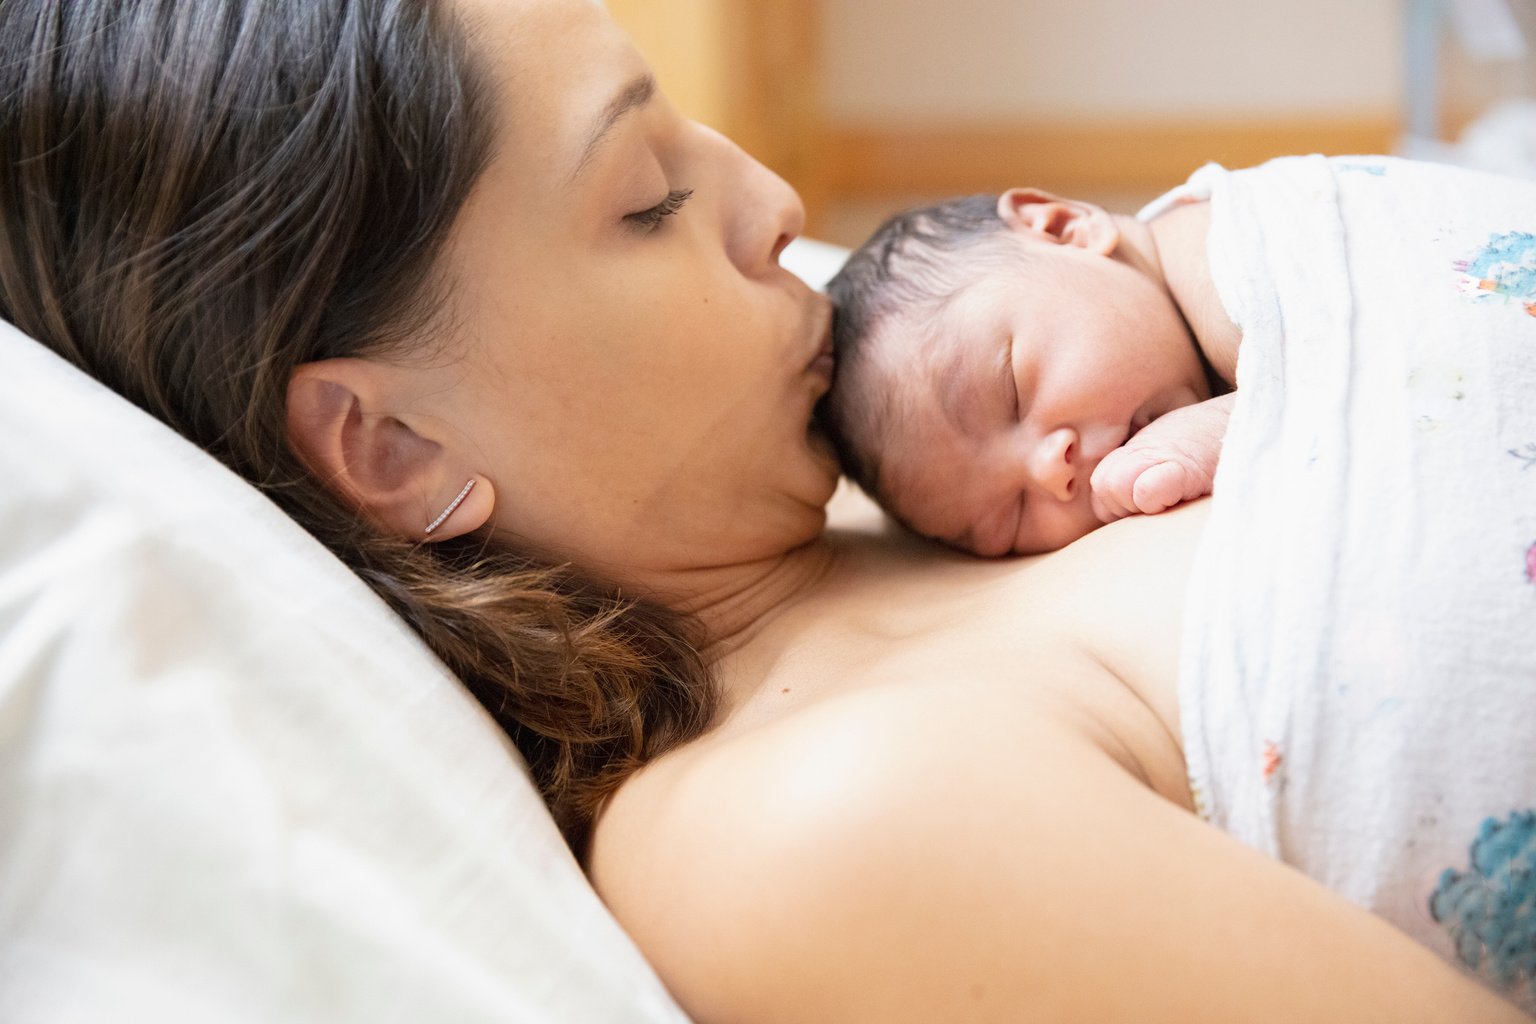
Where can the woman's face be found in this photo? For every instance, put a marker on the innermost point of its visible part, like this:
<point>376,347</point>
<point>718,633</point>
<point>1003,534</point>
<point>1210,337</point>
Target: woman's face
<point>630,366</point>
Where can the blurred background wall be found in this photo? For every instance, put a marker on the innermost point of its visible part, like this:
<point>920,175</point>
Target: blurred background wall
<point>871,105</point>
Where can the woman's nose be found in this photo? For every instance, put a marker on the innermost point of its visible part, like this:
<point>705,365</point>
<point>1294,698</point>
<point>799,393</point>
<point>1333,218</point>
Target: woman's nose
<point>766,216</point>
<point>1053,463</point>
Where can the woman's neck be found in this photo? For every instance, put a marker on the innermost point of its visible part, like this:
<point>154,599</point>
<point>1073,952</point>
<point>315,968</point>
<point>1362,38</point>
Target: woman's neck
<point>735,603</point>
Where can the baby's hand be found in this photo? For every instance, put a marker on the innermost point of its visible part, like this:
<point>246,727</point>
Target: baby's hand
<point>1171,459</point>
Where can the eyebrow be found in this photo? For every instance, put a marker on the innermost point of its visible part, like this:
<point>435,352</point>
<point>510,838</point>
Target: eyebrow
<point>636,94</point>
<point>958,395</point>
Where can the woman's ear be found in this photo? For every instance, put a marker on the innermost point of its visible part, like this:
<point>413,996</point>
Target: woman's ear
<point>1057,220</point>
<point>340,425</point>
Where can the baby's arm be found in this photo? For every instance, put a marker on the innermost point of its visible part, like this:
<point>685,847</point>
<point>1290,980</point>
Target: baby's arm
<point>1171,459</point>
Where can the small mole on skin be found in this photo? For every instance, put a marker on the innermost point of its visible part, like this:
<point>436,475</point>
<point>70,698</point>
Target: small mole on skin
<point>785,690</point>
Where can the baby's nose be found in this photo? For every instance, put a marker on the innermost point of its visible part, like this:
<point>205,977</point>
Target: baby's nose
<point>1054,463</point>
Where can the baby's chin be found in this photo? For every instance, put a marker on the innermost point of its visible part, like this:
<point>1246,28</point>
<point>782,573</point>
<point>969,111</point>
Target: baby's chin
<point>1044,545</point>
<point>1080,523</point>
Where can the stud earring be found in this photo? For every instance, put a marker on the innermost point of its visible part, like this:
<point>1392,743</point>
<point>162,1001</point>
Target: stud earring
<point>434,524</point>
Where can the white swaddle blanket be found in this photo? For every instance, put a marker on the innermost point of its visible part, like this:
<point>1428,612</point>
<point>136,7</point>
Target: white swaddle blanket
<point>1358,688</point>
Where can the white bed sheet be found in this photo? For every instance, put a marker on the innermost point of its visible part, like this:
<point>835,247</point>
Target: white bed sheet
<point>233,786</point>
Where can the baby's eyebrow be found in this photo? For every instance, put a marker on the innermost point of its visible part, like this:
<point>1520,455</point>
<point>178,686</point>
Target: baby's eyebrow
<point>957,392</point>
<point>954,400</point>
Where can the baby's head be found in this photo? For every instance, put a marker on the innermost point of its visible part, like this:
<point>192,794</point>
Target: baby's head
<point>990,351</point>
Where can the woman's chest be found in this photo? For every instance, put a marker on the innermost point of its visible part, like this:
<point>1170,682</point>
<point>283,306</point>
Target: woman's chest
<point>1064,639</point>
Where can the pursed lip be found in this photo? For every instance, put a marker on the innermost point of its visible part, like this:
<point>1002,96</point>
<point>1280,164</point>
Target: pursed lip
<point>822,362</point>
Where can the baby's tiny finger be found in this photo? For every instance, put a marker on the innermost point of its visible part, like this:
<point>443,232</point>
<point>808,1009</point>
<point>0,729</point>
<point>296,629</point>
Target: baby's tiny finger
<point>1111,485</point>
<point>1159,488</point>
<point>1102,510</point>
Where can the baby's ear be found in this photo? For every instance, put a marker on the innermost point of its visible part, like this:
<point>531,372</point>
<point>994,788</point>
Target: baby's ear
<point>1060,221</point>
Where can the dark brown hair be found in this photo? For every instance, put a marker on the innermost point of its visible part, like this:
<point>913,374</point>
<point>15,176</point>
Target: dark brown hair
<point>197,197</point>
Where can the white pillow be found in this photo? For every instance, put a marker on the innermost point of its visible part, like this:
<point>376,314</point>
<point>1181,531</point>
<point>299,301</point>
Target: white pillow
<point>814,262</point>
<point>233,785</point>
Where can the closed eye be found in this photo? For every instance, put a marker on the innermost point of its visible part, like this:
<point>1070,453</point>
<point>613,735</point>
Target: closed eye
<point>649,220</point>
<point>1010,380</point>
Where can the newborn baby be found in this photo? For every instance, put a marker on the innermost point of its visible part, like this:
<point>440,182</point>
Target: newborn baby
<point>1014,371</point>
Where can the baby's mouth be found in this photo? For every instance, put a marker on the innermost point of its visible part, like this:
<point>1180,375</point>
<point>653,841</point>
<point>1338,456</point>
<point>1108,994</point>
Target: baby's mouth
<point>1138,421</point>
<point>1157,407</point>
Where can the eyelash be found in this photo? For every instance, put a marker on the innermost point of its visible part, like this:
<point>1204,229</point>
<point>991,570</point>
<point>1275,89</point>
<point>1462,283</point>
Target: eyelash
<point>1013,380</point>
<point>649,220</point>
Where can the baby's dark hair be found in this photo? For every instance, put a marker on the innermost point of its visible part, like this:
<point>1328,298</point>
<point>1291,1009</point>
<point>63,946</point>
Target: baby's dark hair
<point>906,268</point>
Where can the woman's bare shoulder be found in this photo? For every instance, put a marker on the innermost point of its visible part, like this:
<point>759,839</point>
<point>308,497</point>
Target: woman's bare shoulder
<point>701,853</point>
<point>897,855</point>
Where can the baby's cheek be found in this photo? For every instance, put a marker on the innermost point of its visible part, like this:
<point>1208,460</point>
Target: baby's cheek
<point>1053,530</point>
<point>931,518</point>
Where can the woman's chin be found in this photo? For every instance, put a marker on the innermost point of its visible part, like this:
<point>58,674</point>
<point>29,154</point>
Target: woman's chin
<point>825,457</point>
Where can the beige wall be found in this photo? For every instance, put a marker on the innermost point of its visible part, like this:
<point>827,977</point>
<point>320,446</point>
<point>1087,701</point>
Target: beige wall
<point>751,68</point>
<point>992,60</point>
<point>681,39</point>
<point>869,104</point>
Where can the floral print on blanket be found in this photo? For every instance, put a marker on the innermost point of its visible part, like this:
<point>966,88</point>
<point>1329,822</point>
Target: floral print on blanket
<point>1375,170</point>
<point>1489,910</point>
<point>1506,267</point>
